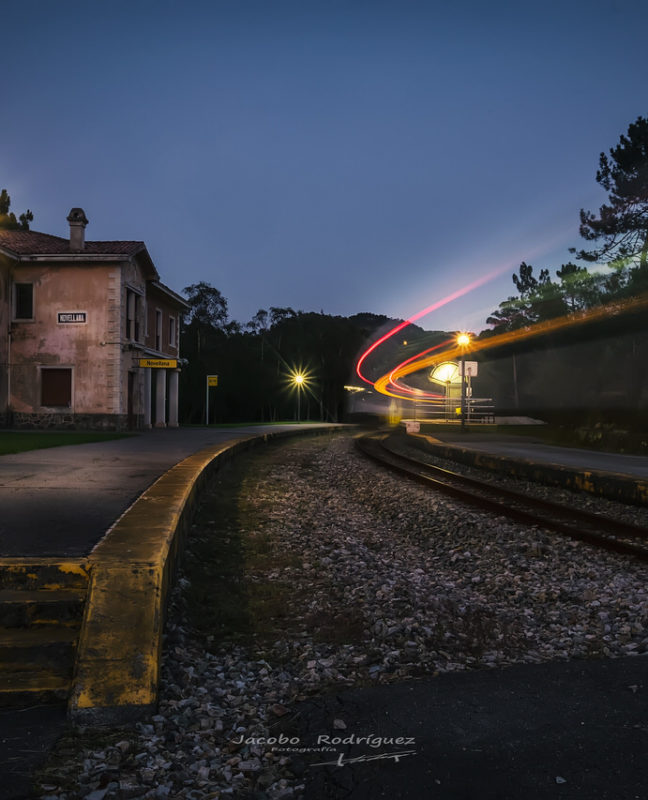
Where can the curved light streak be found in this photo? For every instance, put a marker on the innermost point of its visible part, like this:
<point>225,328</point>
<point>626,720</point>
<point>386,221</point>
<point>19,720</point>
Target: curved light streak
<point>403,387</point>
<point>547,242</point>
<point>416,363</point>
<point>434,307</point>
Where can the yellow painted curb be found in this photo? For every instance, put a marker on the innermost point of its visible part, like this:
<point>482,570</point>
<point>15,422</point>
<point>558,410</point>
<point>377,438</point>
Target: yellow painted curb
<point>118,657</point>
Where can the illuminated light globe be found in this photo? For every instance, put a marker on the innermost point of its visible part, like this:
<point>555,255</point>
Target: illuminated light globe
<point>446,372</point>
<point>300,380</point>
<point>463,339</point>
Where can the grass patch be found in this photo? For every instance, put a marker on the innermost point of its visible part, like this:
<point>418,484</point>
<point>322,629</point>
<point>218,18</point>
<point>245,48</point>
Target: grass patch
<point>332,628</point>
<point>242,570</point>
<point>232,594</point>
<point>237,592</point>
<point>19,441</point>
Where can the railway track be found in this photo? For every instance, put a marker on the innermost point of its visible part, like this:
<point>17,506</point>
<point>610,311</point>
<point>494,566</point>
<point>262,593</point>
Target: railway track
<point>596,529</point>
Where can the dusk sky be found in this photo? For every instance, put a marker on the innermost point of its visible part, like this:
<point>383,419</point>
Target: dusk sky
<point>337,156</point>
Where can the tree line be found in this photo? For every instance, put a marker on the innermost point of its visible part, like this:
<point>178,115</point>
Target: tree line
<point>585,366</point>
<point>257,362</point>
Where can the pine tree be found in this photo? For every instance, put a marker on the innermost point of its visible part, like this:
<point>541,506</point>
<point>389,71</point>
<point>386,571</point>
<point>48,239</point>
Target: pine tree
<point>621,224</point>
<point>8,219</point>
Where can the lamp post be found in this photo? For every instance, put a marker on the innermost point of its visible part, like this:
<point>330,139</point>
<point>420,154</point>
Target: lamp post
<point>299,382</point>
<point>463,340</point>
<point>445,374</point>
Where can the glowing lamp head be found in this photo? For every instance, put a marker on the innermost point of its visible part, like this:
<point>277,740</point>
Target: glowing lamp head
<point>447,372</point>
<point>463,339</point>
<point>299,379</point>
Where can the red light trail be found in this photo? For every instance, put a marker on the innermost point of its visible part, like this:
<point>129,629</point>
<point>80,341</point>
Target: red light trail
<point>420,394</point>
<point>391,384</point>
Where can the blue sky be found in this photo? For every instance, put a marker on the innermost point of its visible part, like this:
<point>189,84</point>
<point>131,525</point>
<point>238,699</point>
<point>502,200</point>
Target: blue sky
<point>337,156</point>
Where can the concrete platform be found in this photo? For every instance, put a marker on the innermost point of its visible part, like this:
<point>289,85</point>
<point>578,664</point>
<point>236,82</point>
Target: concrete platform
<point>60,501</point>
<point>616,476</point>
<point>529,448</point>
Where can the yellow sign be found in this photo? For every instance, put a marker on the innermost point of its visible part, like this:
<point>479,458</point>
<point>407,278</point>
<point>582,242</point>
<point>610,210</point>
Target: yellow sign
<point>212,380</point>
<point>159,363</point>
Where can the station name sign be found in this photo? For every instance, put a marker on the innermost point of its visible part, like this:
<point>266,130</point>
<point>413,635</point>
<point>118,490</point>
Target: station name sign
<point>71,316</point>
<point>159,363</point>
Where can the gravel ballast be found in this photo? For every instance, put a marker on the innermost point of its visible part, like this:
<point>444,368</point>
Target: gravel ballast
<point>344,575</point>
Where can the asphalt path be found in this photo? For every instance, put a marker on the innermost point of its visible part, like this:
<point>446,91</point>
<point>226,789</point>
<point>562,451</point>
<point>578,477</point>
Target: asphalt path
<point>60,501</point>
<point>521,447</point>
<point>572,730</point>
<point>26,737</point>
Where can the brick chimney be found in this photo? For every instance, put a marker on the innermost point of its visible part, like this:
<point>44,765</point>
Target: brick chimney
<point>78,221</point>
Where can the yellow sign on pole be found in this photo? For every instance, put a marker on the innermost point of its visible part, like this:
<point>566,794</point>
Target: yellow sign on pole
<point>212,380</point>
<point>159,363</point>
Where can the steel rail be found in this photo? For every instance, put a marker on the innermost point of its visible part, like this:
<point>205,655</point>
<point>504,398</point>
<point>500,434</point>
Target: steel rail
<point>569,514</point>
<point>591,528</point>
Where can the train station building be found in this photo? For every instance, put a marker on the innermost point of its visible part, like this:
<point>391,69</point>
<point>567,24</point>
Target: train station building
<point>89,335</point>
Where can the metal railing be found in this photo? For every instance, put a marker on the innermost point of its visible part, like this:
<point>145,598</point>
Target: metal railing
<point>479,410</point>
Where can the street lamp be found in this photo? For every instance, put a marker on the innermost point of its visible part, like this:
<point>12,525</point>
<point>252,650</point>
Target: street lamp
<point>298,380</point>
<point>463,340</point>
<point>446,374</point>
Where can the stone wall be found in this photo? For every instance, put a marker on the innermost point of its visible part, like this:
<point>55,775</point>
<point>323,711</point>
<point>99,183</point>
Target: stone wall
<point>73,422</point>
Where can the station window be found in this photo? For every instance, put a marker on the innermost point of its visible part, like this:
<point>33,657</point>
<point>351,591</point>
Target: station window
<point>24,301</point>
<point>158,329</point>
<point>56,387</point>
<point>172,332</point>
<point>133,305</point>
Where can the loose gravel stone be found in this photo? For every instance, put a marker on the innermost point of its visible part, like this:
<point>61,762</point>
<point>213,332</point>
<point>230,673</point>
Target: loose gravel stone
<point>389,581</point>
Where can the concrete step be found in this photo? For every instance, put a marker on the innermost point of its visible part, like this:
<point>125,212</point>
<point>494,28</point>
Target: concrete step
<point>46,573</point>
<point>41,608</point>
<point>46,645</point>
<point>36,664</point>
<point>28,686</point>
<point>23,608</point>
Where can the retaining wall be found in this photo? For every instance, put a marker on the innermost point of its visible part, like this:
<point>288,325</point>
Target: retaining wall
<point>131,571</point>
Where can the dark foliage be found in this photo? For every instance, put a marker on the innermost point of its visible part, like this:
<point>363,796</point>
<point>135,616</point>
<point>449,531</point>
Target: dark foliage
<point>601,362</point>
<point>621,224</point>
<point>8,219</point>
<point>255,361</point>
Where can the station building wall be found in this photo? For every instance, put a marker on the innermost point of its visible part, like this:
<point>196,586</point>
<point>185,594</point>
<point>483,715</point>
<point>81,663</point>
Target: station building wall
<point>51,350</point>
<point>74,329</point>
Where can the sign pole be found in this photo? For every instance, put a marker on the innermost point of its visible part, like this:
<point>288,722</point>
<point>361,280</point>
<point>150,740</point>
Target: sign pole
<point>212,380</point>
<point>463,392</point>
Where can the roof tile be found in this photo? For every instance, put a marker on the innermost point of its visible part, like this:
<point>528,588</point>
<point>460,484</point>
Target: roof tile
<point>26,243</point>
